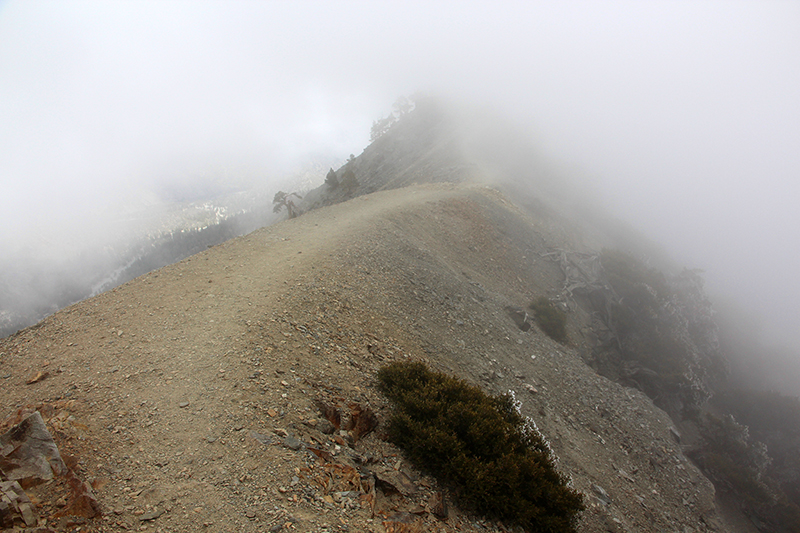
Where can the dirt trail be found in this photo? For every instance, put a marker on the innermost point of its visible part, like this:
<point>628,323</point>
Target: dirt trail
<point>189,396</point>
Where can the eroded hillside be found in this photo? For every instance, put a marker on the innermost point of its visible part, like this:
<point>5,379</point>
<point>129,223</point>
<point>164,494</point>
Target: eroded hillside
<point>194,396</point>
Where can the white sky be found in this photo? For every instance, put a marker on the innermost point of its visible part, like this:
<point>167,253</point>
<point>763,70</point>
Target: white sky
<point>685,114</point>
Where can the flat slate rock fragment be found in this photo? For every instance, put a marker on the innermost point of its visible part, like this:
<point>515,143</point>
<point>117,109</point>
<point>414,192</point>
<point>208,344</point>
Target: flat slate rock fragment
<point>28,453</point>
<point>14,503</point>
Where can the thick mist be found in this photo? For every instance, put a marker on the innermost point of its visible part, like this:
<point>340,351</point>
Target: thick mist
<point>680,118</point>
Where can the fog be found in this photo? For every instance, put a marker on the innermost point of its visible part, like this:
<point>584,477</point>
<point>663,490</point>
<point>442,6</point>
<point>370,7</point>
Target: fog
<point>683,118</point>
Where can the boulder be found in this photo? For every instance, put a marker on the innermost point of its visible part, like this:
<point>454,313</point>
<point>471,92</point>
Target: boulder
<point>28,453</point>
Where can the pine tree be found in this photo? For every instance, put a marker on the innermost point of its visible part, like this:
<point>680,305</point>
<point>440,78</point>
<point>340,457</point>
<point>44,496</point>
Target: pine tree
<point>331,180</point>
<point>349,181</point>
<point>283,199</point>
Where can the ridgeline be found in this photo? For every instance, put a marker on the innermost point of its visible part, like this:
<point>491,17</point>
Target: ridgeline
<point>237,389</point>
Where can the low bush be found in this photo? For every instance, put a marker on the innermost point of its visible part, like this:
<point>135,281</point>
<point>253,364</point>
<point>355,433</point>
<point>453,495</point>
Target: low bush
<point>495,460</point>
<point>552,321</point>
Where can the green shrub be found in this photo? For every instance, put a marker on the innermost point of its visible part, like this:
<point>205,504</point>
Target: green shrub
<point>495,461</point>
<point>552,321</point>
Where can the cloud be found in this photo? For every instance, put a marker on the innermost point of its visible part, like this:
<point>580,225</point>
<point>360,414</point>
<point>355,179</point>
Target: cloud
<point>684,114</point>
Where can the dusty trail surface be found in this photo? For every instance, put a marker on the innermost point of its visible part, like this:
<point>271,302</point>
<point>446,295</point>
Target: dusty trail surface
<point>190,397</point>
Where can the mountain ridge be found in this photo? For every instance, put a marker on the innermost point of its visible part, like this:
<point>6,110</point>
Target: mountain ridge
<point>168,376</point>
<point>209,380</point>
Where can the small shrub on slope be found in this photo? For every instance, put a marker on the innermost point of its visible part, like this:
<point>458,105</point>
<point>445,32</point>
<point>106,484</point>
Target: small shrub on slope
<point>552,321</point>
<point>496,463</point>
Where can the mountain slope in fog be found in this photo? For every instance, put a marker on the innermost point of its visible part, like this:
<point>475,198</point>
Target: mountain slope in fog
<point>182,218</point>
<point>643,322</point>
<point>405,252</point>
<point>169,386</point>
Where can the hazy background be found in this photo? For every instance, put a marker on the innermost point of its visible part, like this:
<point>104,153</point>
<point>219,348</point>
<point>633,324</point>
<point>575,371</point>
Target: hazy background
<point>683,117</point>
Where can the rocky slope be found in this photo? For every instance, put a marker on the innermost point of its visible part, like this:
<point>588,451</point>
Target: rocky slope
<point>195,396</point>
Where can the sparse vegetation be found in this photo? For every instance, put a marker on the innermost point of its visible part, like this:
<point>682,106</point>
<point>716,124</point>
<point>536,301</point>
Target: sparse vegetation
<point>283,199</point>
<point>495,460</point>
<point>331,180</point>
<point>349,182</point>
<point>738,463</point>
<point>552,321</point>
<point>668,337</point>
<point>379,127</point>
<point>402,106</point>
<point>766,477</point>
<point>665,337</point>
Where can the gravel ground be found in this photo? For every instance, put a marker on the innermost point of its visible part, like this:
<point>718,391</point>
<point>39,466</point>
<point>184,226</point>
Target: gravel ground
<point>195,397</point>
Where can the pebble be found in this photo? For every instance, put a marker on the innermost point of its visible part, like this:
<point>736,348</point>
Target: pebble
<point>292,443</point>
<point>324,426</point>
<point>152,515</point>
<point>601,493</point>
<point>263,439</point>
<point>183,404</point>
